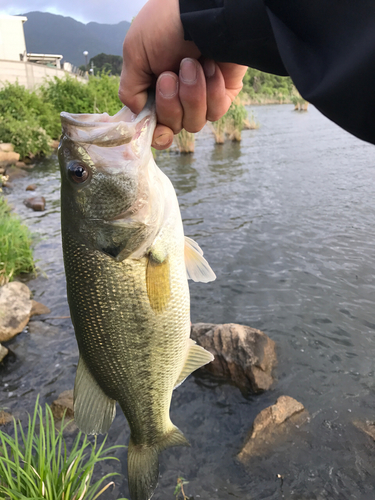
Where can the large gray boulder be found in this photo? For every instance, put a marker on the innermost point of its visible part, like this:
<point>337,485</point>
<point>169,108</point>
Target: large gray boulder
<point>272,425</point>
<point>15,308</point>
<point>244,355</point>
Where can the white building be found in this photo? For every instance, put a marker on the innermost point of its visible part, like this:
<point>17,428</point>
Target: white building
<point>12,38</point>
<point>29,70</point>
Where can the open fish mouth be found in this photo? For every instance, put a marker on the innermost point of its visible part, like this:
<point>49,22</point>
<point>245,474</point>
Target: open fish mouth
<point>104,130</point>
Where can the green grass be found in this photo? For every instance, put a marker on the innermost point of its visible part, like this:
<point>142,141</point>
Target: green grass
<point>35,464</point>
<point>16,255</point>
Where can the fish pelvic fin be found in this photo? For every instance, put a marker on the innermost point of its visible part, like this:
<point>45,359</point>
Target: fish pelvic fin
<point>143,463</point>
<point>197,268</point>
<point>94,411</point>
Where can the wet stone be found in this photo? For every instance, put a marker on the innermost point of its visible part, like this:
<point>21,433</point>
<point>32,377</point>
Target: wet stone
<point>15,173</point>
<point>63,403</point>
<point>37,203</point>
<point>31,187</point>
<point>3,352</point>
<point>367,427</point>
<point>5,417</point>
<point>243,355</point>
<point>15,307</point>
<point>37,308</point>
<point>272,425</point>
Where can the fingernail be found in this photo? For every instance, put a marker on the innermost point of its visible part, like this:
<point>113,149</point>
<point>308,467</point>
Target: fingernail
<point>163,140</point>
<point>209,68</point>
<point>167,85</point>
<point>188,71</point>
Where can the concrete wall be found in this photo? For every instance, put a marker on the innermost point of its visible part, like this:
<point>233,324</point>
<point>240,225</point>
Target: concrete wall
<point>12,38</point>
<point>30,75</point>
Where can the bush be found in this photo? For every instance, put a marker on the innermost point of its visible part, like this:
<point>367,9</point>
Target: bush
<point>27,136</point>
<point>15,252</point>
<point>36,464</point>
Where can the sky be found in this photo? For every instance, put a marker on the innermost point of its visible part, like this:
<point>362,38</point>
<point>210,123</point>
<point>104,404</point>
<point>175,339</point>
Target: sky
<point>101,11</point>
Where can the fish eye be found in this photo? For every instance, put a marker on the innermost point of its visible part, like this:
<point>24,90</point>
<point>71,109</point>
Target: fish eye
<point>77,172</point>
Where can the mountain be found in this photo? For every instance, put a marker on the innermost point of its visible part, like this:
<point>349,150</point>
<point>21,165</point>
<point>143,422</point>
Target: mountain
<point>52,34</point>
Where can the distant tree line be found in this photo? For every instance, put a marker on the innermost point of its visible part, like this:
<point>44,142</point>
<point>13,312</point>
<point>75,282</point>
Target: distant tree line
<point>104,63</point>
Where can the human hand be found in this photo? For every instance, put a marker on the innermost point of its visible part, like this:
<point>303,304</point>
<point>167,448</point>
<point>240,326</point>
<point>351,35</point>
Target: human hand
<point>188,92</point>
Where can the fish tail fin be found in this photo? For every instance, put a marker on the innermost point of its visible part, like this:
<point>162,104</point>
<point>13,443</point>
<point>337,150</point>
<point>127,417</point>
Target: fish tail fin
<point>143,470</point>
<point>143,463</point>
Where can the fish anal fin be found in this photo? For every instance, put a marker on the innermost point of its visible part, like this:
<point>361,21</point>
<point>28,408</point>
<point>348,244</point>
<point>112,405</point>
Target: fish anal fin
<point>94,411</point>
<point>197,268</point>
<point>196,358</point>
<point>158,283</point>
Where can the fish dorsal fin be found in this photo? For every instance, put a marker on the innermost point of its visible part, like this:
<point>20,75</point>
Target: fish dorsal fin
<point>197,268</point>
<point>196,358</point>
<point>158,283</point>
<point>94,411</point>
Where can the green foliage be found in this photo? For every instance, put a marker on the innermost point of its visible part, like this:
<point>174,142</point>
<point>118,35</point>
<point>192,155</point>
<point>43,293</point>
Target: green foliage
<point>36,463</point>
<point>107,63</point>
<point>179,489</point>
<point>15,251</point>
<point>27,136</point>
<point>99,95</point>
<point>231,124</point>
<point>185,141</point>
<point>257,83</point>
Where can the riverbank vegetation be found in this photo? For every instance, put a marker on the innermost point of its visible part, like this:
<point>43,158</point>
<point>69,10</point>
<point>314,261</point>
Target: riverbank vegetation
<point>36,463</point>
<point>16,255</point>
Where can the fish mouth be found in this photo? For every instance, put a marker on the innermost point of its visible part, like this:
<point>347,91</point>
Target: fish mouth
<point>104,130</point>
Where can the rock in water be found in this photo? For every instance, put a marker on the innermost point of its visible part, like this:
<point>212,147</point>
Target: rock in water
<point>37,203</point>
<point>271,425</point>
<point>37,308</point>
<point>31,187</point>
<point>3,352</point>
<point>15,307</point>
<point>244,355</point>
<point>63,403</point>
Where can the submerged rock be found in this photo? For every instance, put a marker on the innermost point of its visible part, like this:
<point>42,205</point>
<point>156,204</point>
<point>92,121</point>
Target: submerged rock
<point>272,424</point>
<point>244,355</point>
<point>31,187</point>
<point>63,403</point>
<point>37,309</point>
<point>15,173</point>
<point>3,352</point>
<point>15,308</point>
<point>368,427</point>
<point>37,203</point>
<point>5,417</point>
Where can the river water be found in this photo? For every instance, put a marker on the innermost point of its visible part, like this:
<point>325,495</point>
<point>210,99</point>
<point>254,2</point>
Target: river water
<point>286,220</point>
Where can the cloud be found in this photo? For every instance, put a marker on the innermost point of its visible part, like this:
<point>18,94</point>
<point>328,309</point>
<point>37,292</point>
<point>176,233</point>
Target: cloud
<point>108,12</point>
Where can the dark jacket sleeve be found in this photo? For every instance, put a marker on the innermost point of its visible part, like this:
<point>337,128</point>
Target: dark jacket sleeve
<point>327,48</point>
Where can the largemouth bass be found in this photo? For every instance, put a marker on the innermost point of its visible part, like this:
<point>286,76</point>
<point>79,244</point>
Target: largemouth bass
<point>127,263</point>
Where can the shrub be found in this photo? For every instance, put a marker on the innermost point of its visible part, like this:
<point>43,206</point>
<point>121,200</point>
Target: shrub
<point>185,141</point>
<point>28,137</point>
<point>36,464</point>
<point>15,252</point>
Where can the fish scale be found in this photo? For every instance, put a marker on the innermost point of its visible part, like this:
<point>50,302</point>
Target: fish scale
<point>127,264</point>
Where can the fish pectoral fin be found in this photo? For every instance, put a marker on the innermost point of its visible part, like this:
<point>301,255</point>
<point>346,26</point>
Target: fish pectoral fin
<point>196,358</point>
<point>94,411</point>
<point>197,268</point>
<point>158,282</point>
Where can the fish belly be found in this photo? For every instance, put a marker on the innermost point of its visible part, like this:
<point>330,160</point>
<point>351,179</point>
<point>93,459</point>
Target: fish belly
<point>134,353</point>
